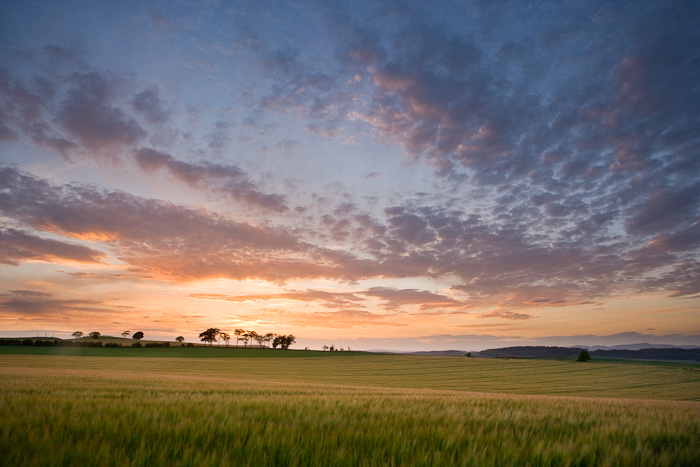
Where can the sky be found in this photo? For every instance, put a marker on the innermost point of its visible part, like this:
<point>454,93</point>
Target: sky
<point>369,174</point>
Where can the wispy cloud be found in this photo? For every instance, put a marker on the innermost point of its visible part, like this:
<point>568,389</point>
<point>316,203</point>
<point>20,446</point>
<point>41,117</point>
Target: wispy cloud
<point>505,314</point>
<point>229,180</point>
<point>425,300</point>
<point>19,246</point>
<point>393,299</point>
<point>325,299</point>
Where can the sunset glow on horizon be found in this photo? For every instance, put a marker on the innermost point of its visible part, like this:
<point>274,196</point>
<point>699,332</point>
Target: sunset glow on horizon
<point>374,175</point>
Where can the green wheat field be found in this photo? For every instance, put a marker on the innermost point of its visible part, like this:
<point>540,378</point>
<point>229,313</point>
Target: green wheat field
<point>223,407</point>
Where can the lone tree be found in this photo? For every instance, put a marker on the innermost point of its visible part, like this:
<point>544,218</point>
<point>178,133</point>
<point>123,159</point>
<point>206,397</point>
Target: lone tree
<point>583,356</point>
<point>94,334</point>
<point>125,334</point>
<point>209,335</point>
<point>179,339</point>
<point>78,334</point>
<point>138,335</point>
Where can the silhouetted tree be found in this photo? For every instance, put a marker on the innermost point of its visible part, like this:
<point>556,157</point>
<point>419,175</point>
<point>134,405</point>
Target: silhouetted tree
<point>94,334</point>
<point>583,356</point>
<point>246,338</point>
<point>209,335</point>
<point>332,348</point>
<point>138,335</point>
<point>179,339</point>
<point>268,338</point>
<point>290,339</point>
<point>238,333</point>
<point>259,338</point>
<point>325,347</point>
<point>125,334</point>
<point>283,341</point>
<point>78,334</point>
<point>225,337</point>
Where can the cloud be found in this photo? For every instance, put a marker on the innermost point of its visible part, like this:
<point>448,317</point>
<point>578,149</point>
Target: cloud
<point>22,109</point>
<point>149,104</point>
<point>665,209</point>
<point>225,180</point>
<point>167,240</point>
<point>572,151</point>
<point>29,293</point>
<point>88,113</point>
<point>408,229</point>
<point>73,112</point>
<point>393,299</point>
<point>18,246</point>
<point>681,280</point>
<point>515,253</point>
<point>423,299</point>
<point>45,308</point>
<point>335,319</point>
<point>505,314</point>
<point>326,299</point>
<point>684,239</point>
<point>97,276</point>
<point>564,156</point>
<point>352,318</point>
<point>446,97</point>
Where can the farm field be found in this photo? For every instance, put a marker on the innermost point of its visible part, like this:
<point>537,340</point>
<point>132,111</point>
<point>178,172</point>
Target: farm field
<point>361,409</point>
<point>671,381</point>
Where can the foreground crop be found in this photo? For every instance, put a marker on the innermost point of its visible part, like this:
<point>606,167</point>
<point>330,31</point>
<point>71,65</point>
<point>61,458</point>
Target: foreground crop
<point>96,417</point>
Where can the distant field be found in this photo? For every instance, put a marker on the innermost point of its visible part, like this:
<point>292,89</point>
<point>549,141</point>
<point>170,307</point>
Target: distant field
<point>513,376</point>
<point>175,351</point>
<point>361,409</point>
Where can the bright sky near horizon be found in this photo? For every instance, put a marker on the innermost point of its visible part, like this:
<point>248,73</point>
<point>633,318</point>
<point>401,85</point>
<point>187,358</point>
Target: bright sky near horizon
<point>373,174</point>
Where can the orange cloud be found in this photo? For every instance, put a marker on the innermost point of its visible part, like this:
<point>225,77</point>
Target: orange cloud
<point>17,246</point>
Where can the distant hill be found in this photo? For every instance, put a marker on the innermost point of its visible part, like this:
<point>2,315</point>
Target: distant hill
<point>660,353</point>
<point>638,346</point>
<point>530,352</point>
<point>675,354</point>
<point>441,353</point>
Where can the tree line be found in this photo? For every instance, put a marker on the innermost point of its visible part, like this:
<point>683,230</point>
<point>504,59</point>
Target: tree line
<point>333,348</point>
<point>78,343</point>
<point>96,335</point>
<point>263,340</point>
<point>212,335</point>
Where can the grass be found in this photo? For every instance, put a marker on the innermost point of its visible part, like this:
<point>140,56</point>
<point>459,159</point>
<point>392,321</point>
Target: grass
<point>361,409</point>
